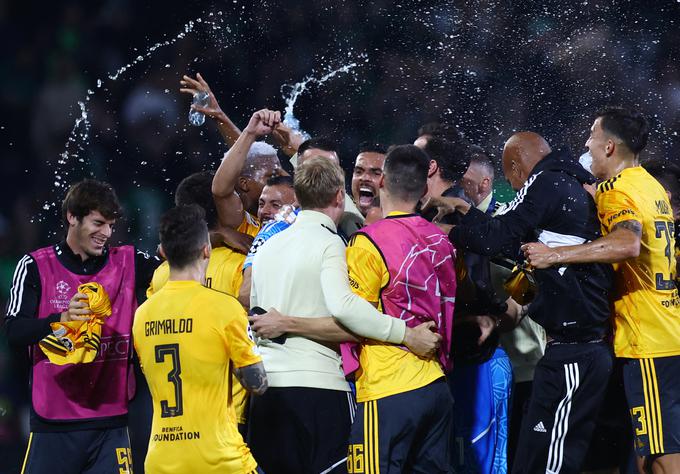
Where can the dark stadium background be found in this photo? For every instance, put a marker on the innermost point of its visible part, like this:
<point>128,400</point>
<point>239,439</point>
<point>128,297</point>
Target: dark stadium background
<point>489,67</point>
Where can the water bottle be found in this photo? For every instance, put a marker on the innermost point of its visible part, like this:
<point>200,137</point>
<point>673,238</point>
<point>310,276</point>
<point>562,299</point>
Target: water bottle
<point>197,118</point>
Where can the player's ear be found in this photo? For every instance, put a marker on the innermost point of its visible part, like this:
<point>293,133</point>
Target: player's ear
<point>433,168</point>
<point>340,198</point>
<point>161,251</point>
<point>381,183</point>
<point>206,251</point>
<point>243,184</point>
<point>610,148</point>
<point>72,220</point>
<point>484,185</point>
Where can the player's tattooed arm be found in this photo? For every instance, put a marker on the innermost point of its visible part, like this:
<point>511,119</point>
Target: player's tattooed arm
<point>633,226</point>
<point>622,243</point>
<point>253,378</point>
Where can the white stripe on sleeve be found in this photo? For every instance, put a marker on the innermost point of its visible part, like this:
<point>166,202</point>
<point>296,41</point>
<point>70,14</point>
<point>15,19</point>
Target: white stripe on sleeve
<point>17,291</point>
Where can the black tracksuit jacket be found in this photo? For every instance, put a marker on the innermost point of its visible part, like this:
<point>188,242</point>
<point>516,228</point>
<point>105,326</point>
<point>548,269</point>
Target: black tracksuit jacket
<point>572,303</point>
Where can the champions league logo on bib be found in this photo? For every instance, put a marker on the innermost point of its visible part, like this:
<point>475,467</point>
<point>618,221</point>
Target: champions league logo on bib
<point>62,295</point>
<point>62,289</point>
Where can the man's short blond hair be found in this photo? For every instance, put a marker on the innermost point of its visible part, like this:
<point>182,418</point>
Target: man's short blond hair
<point>317,181</point>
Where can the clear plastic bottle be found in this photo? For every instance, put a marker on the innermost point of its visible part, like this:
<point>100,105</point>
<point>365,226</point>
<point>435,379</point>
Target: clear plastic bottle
<point>197,118</point>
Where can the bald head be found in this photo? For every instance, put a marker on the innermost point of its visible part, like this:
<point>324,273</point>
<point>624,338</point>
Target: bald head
<point>521,153</point>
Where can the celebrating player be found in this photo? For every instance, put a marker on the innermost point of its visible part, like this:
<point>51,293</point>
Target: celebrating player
<point>79,410</point>
<point>637,223</point>
<point>405,266</point>
<point>302,271</point>
<point>189,339</point>
<point>571,303</point>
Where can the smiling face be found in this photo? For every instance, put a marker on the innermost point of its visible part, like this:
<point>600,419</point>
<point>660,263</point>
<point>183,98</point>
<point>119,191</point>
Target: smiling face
<point>368,170</point>
<point>88,236</point>
<point>272,199</point>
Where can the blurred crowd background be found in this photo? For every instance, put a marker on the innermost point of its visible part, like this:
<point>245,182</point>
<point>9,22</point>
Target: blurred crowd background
<point>487,67</point>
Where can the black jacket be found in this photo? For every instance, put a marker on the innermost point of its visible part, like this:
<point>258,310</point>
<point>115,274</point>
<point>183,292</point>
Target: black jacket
<point>572,303</point>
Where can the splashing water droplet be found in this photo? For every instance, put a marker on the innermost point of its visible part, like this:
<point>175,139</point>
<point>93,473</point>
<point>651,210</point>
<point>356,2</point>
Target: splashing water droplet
<point>295,90</point>
<point>79,137</point>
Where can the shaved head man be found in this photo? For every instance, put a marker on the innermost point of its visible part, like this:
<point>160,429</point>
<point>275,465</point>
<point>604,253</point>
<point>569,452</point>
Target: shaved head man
<point>571,303</point>
<point>521,153</point>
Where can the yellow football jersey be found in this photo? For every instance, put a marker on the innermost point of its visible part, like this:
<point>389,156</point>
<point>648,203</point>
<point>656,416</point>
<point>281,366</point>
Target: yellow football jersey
<point>385,369</point>
<point>677,260</point>
<point>225,268</point>
<point>225,274</point>
<point>249,225</point>
<point>187,338</point>
<point>646,302</point>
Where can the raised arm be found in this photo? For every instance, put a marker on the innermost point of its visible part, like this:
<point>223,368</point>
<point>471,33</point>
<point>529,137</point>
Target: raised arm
<point>226,127</point>
<point>229,205</point>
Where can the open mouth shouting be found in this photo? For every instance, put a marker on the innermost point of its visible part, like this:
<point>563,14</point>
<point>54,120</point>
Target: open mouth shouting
<point>366,197</point>
<point>366,179</point>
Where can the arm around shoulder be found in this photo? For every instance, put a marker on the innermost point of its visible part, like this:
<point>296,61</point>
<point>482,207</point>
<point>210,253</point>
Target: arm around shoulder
<point>621,244</point>
<point>352,311</point>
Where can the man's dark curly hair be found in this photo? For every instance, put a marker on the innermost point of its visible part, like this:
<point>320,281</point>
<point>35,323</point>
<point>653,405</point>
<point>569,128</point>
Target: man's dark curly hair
<point>91,195</point>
